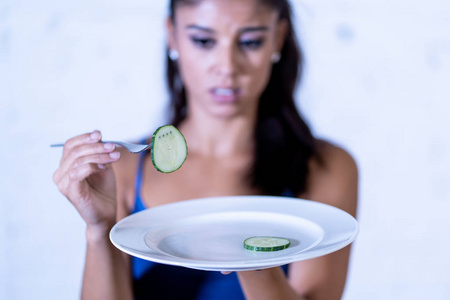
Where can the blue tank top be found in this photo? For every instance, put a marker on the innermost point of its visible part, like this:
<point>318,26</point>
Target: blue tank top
<point>157,281</point>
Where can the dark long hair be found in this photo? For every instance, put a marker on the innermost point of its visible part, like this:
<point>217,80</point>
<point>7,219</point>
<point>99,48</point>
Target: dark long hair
<point>284,143</point>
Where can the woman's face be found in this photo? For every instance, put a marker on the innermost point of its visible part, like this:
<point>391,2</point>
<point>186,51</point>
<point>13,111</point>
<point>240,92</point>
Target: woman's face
<point>224,50</point>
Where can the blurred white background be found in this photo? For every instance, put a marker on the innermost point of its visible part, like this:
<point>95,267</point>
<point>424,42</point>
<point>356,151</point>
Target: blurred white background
<point>376,82</point>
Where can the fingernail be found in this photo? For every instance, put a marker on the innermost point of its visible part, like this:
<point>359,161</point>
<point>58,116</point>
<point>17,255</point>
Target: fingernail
<point>100,166</point>
<point>95,136</point>
<point>109,146</point>
<point>114,155</point>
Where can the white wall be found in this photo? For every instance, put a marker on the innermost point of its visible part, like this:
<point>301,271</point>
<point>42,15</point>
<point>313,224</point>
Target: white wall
<point>376,82</point>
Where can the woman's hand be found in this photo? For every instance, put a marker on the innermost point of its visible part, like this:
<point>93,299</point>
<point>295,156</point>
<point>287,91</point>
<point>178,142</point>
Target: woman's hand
<point>86,178</point>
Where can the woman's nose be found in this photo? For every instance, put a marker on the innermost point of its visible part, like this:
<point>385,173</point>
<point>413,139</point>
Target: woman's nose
<point>226,61</point>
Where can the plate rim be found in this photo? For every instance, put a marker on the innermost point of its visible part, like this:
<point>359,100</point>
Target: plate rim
<point>156,257</point>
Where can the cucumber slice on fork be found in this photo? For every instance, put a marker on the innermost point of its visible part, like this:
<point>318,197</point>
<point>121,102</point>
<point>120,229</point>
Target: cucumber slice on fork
<point>169,149</point>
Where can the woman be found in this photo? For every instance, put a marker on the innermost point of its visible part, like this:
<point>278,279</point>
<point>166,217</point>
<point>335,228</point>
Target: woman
<point>232,70</point>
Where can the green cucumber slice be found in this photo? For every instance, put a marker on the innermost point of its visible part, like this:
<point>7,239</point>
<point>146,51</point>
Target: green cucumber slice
<point>169,149</point>
<point>266,243</point>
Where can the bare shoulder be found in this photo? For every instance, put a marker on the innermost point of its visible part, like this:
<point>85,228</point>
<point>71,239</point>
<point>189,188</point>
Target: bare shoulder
<point>333,177</point>
<point>333,158</point>
<point>124,171</point>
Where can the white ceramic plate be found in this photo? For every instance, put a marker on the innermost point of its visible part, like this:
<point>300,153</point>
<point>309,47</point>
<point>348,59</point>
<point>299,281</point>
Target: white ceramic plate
<point>208,233</point>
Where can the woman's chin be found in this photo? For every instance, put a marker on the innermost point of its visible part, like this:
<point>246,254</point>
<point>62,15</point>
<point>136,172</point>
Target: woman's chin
<point>230,113</point>
<point>225,114</point>
<point>225,110</point>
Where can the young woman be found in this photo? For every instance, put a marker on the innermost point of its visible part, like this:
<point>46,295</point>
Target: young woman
<point>232,70</point>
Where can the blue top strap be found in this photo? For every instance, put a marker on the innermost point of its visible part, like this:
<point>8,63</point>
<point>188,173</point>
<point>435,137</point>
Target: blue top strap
<point>139,205</point>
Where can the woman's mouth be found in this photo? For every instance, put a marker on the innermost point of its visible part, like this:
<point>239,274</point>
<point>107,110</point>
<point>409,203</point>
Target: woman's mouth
<point>225,95</point>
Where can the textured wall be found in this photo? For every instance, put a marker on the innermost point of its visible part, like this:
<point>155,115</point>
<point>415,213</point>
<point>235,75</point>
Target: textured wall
<point>376,83</point>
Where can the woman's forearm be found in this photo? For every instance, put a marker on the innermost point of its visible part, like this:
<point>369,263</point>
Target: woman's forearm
<point>107,272</point>
<point>267,284</point>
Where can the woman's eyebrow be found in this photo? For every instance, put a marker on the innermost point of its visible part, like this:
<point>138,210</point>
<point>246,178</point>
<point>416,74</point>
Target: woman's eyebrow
<point>200,28</point>
<point>243,30</point>
<point>256,28</point>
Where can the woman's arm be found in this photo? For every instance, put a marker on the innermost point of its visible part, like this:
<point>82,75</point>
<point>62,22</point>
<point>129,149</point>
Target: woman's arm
<point>267,284</point>
<point>86,177</point>
<point>107,270</point>
<point>334,182</point>
<point>107,273</point>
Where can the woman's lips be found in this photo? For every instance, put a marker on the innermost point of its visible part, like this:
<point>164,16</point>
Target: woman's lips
<point>225,95</point>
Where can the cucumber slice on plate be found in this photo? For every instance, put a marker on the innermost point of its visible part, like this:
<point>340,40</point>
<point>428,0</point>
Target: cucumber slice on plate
<point>169,149</point>
<point>266,243</point>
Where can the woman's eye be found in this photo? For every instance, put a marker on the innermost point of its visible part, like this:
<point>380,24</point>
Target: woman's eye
<point>203,42</point>
<point>251,44</point>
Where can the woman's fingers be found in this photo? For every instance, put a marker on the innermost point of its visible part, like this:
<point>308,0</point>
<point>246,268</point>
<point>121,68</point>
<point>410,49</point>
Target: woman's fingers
<point>72,185</point>
<point>98,158</point>
<point>87,138</point>
<point>77,156</point>
<point>71,150</point>
<point>71,165</point>
<point>70,182</point>
<point>84,171</point>
<point>89,149</point>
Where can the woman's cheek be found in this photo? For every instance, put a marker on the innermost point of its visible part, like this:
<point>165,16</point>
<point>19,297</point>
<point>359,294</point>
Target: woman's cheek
<point>194,80</point>
<point>260,78</point>
<point>191,69</point>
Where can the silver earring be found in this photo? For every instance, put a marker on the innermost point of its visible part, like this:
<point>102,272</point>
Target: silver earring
<point>173,54</point>
<point>275,57</point>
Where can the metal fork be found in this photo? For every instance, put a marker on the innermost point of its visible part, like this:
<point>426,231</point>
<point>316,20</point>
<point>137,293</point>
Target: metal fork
<point>133,148</point>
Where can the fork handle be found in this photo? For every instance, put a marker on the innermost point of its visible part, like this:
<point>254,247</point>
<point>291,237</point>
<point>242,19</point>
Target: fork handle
<point>60,145</point>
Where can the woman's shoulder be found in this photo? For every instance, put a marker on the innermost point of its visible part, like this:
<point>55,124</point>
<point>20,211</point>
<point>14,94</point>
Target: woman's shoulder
<point>333,177</point>
<point>331,156</point>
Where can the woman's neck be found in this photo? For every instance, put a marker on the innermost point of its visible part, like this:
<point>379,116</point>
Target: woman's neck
<point>219,137</point>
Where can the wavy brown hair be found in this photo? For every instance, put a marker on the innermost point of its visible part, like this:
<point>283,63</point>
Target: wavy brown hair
<point>284,143</point>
